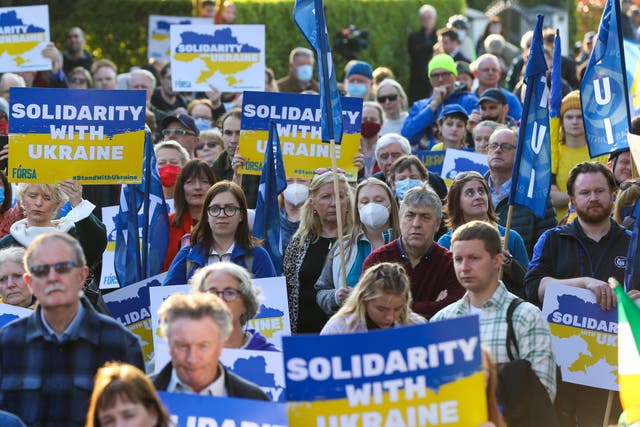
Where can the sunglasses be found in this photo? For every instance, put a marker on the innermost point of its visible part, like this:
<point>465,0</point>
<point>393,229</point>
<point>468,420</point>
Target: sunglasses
<point>227,294</point>
<point>210,144</point>
<point>628,184</point>
<point>463,175</point>
<point>77,80</point>
<point>43,270</point>
<point>390,98</point>
<point>177,132</point>
<point>322,171</point>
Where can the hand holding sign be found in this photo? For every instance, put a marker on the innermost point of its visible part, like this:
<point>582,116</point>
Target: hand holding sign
<point>73,190</point>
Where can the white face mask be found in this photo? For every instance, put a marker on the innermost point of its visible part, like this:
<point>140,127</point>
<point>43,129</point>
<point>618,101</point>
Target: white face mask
<point>296,193</point>
<point>374,215</point>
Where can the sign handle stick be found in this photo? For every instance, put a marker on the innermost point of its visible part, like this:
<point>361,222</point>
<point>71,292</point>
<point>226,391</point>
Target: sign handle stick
<point>336,192</point>
<point>607,411</point>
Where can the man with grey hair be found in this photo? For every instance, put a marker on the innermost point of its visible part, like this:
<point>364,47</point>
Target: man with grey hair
<point>300,76</point>
<point>196,327</point>
<point>428,265</point>
<point>501,157</point>
<point>420,46</point>
<point>9,80</point>
<point>389,148</point>
<point>48,360</point>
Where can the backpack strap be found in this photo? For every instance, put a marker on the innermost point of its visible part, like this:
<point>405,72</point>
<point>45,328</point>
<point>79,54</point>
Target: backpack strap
<point>511,335</point>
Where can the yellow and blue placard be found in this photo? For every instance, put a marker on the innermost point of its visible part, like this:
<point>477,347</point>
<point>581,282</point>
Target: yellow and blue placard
<point>421,375</point>
<point>24,33</point>
<point>91,136</point>
<point>188,410</point>
<point>584,337</point>
<point>297,119</point>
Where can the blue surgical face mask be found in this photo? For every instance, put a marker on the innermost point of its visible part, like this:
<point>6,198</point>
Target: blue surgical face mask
<point>358,90</point>
<point>202,124</point>
<point>305,72</point>
<point>405,185</point>
<point>1,195</point>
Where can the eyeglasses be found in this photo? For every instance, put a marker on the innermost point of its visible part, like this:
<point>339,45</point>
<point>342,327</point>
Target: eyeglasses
<point>463,175</point>
<point>628,184</point>
<point>62,267</point>
<point>437,76</point>
<point>229,132</point>
<point>210,144</point>
<point>77,80</point>
<point>227,211</point>
<point>227,294</point>
<point>390,98</point>
<point>322,171</point>
<point>176,132</point>
<point>504,146</point>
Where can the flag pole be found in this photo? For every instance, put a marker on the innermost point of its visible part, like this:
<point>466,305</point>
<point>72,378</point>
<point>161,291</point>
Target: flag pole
<point>607,411</point>
<point>336,192</point>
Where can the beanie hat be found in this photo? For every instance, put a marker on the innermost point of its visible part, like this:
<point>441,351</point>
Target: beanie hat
<point>444,61</point>
<point>570,102</point>
<point>360,68</point>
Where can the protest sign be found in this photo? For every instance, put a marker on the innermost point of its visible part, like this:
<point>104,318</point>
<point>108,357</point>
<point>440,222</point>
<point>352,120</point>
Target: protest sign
<point>9,313</point>
<point>91,136</point>
<point>428,374</point>
<point>24,34</point>
<point>297,119</point>
<point>130,307</point>
<point>432,160</point>
<point>227,57</point>
<point>584,337</point>
<point>272,320</point>
<point>108,279</point>
<point>264,368</point>
<point>456,161</point>
<point>189,410</point>
<point>158,46</point>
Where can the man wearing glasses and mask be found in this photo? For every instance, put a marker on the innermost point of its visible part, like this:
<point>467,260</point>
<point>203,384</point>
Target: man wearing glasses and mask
<point>48,359</point>
<point>181,128</point>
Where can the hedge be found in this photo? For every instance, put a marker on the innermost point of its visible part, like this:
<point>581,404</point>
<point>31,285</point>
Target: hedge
<point>117,29</point>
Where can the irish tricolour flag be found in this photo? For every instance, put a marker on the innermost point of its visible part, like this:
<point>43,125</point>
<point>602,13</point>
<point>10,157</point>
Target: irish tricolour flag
<point>628,355</point>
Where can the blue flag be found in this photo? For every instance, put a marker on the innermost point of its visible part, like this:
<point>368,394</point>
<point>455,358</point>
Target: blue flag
<point>309,16</point>
<point>555,102</point>
<point>272,182</point>
<point>142,224</point>
<point>531,177</point>
<point>632,270</point>
<point>603,92</point>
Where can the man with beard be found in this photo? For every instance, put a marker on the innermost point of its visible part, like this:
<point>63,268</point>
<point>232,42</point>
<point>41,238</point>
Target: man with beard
<point>501,157</point>
<point>583,254</point>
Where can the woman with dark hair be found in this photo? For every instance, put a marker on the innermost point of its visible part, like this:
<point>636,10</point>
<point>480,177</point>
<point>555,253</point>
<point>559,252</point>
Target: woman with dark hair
<point>8,214</point>
<point>122,394</point>
<point>221,234</point>
<point>382,299</point>
<point>194,180</point>
<point>469,200</point>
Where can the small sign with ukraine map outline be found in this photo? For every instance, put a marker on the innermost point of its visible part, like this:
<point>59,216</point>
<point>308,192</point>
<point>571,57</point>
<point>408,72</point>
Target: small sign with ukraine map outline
<point>584,337</point>
<point>24,33</point>
<point>420,375</point>
<point>227,57</point>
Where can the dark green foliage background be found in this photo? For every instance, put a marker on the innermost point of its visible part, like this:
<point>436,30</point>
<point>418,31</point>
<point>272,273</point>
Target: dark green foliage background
<point>117,29</point>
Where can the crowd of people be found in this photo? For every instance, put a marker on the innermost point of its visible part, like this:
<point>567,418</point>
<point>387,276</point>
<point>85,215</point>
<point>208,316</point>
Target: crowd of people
<point>411,250</point>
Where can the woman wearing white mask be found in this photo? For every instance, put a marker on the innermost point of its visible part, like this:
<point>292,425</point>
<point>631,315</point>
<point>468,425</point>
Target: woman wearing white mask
<point>293,197</point>
<point>376,223</point>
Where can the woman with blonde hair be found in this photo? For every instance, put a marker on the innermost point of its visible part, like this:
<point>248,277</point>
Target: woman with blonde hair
<point>305,256</point>
<point>123,393</point>
<point>391,96</point>
<point>376,223</point>
<point>382,299</point>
